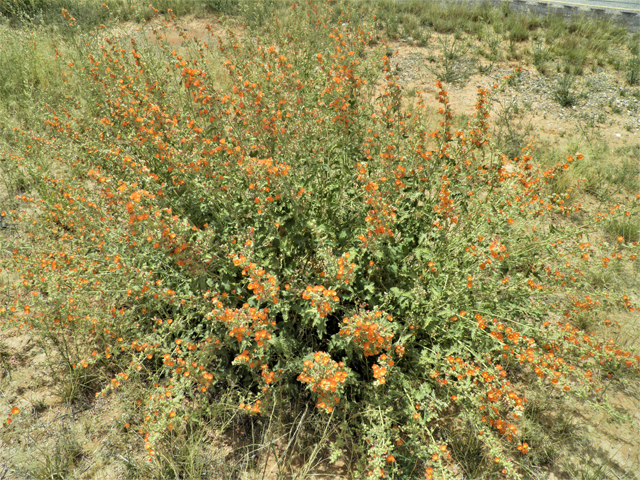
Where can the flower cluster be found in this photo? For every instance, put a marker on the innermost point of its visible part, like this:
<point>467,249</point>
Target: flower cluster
<point>14,411</point>
<point>321,298</point>
<point>339,268</point>
<point>371,331</point>
<point>262,284</point>
<point>381,369</point>
<point>245,322</point>
<point>325,378</point>
<point>381,214</point>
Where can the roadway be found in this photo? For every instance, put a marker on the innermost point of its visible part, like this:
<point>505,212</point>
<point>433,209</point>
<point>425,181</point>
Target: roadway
<point>628,11</point>
<point>625,5</point>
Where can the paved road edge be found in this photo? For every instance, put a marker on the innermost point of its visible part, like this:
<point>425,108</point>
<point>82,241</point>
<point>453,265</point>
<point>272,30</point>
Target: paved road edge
<point>629,17</point>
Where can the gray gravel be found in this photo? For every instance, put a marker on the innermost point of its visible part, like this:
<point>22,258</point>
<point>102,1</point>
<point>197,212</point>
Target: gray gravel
<point>600,98</point>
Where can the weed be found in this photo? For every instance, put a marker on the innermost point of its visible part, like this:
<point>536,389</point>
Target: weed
<point>616,62</point>
<point>228,7</point>
<point>615,107</point>
<point>512,131</point>
<point>59,462</point>
<point>593,473</point>
<point>470,451</point>
<point>563,92</point>
<point>584,321</point>
<point>38,405</point>
<point>518,33</point>
<point>78,387</point>
<point>625,176</point>
<point>540,56</point>
<point>494,42</point>
<point>632,74</point>
<point>625,228</point>
<point>452,66</point>
<point>75,383</point>
<point>634,45</point>
<point>5,362</point>
<point>182,454</point>
<point>91,15</point>
<point>572,52</point>
<point>535,411</point>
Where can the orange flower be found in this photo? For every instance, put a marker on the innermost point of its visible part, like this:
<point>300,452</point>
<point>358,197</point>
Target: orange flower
<point>15,411</point>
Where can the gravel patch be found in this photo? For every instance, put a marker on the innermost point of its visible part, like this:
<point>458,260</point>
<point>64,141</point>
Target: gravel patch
<point>600,100</point>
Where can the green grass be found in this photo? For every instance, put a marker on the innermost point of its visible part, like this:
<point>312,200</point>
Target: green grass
<point>92,13</point>
<point>580,42</point>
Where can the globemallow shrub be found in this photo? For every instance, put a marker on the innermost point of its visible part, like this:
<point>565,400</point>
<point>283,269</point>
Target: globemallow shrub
<point>292,230</point>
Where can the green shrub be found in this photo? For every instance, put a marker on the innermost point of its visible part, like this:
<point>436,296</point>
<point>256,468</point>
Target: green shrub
<point>564,93</point>
<point>633,71</point>
<point>91,13</point>
<point>21,8</point>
